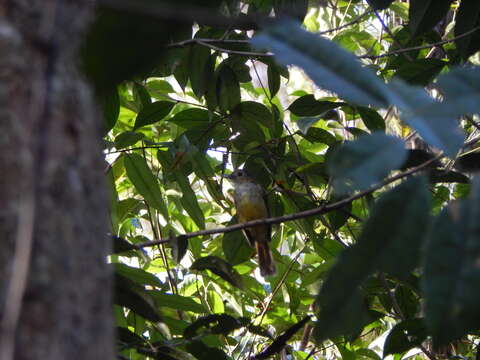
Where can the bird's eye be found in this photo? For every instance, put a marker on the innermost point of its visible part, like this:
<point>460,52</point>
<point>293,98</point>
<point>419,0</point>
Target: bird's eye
<point>240,173</point>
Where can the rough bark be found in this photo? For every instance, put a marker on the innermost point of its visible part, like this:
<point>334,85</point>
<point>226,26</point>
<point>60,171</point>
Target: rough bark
<point>53,213</point>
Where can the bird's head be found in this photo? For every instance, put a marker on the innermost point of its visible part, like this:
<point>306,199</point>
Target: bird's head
<point>239,176</point>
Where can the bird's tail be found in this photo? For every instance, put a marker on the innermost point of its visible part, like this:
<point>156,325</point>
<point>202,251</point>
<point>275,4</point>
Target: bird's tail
<point>265,260</point>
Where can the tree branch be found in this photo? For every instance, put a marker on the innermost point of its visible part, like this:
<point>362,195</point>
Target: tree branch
<point>414,48</point>
<point>299,215</point>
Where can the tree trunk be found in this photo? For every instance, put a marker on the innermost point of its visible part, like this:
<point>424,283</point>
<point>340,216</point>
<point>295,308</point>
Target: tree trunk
<point>55,287</point>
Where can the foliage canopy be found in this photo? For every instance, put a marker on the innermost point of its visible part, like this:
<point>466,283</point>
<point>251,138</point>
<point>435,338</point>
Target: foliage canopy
<point>381,141</point>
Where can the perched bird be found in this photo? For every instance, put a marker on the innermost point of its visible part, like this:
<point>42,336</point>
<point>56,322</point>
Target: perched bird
<point>249,198</point>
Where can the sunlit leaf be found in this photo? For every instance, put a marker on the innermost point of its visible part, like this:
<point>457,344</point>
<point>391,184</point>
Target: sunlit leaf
<point>153,112</point>
<point>145,182</point>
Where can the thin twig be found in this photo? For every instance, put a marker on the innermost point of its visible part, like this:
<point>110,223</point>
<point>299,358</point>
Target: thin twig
<point>299,215</point>
<point>415,48</point>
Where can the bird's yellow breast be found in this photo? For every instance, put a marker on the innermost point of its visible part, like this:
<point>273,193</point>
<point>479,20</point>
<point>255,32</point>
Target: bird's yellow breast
<point>249,202</point>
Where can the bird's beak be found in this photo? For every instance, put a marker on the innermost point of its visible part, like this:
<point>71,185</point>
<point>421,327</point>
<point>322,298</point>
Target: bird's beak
<point>229,177</point>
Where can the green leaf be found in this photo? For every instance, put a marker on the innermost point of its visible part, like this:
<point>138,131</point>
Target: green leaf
<point>339,217</point>
<point>391,241</point>
<point>451,281</point>
<point>358,164</point>
<point>159,88</point>
<point>189,200</point>
<point>192,117</point>
<point>137,275</point>
<point>145,182</point>
<point>420,71</point>
<point>219,267</point>
<point>425,14</point>
<point>141,97</point>
<point>405,336</point>
<point>228,88</point>
<point>235,246</point>
<point>273,79</point>
<point>307,105</point>
<point>153,112</point>
<point>293,8</point>
<point>348,319</point>
<point>467,18</point>
<point>247,118</point>
<point>318,135</point>
<point>179,246</point>
<point>314,54</point>
<point>111,108</point>
<point>198,69</point>
<point>177,302</point>
<point>216,323</point>
<point>165,353</point>
<point>130,295</point>
<point>204,352</point>
<point>128,138</point>
<point>372,119</point>
<point>380,4</point>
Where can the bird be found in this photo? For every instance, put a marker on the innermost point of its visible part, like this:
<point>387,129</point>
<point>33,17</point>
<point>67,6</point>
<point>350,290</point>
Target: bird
<point>250,202</point>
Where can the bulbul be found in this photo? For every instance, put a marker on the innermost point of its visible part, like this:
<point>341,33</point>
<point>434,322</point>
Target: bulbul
<point>249,198</point>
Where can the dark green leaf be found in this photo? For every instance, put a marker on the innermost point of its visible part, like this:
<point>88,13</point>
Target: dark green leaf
<point>189,200</point>
<point>177,302</point>
<point>166,353</point>
<point>128,294</point>
<point>451,280</point>
<point>219,267</point>
<point>145,182</point>
<point>318,135</point>
<point>380,4</point>
<point>236,247</point>
<point>361,163</point>
<point>425,14</point>
<point>204,352</point>
<point>127,138</point>
<point>293,8</point>
<point>228,88</point>
<point>127,337</point>
<point>280,342</point>
<point>307,105</point>
<point>153,112</point>
<point>467,18</point>
<point>111,108</point>
<point>420,71</point>
<point>192,117</point>
<point>339,217</point>
<point>347,319</point>
<point>390,242</point>
<point>179,246</point>
<point>199,71</point>
<point>372,119</point>
<point>137,275</point>
<point>273,79</point>
<point>141,97</point>
<point>215,323</point>
<point>405,336</point>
